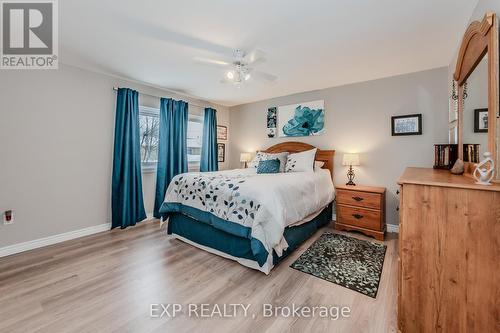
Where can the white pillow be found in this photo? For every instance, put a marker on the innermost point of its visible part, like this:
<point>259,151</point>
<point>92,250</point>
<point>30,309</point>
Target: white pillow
<point>318,165</point>
<point>261,156</point>
<point>303,161</point>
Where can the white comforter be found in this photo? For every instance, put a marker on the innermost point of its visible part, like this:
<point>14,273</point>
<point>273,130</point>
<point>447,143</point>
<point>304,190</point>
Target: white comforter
<point>267,203</point>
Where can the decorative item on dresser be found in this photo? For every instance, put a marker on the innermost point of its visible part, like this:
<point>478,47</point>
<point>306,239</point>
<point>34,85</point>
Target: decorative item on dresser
<point>448,253</point>
<point>485,170</point>
<point>350,160</point>
<point>361,208</point>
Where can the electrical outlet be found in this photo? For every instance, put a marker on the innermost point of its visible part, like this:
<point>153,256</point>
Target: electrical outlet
<point>8,217</point>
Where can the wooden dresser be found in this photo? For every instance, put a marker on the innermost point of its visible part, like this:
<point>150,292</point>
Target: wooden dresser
<point>449,253</point>
<point>361,208</point>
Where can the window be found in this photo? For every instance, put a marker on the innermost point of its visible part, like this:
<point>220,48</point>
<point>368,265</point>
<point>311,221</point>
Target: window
<point>149,124</point>
<point>194,140</point>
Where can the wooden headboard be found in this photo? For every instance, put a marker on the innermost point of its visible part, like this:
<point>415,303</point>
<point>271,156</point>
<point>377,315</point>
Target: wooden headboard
<point>297,147</point>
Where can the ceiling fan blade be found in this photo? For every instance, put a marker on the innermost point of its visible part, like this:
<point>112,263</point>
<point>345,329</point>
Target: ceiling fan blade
<point>264,76</point>
<point>254,57</point>
<point>213,62</point>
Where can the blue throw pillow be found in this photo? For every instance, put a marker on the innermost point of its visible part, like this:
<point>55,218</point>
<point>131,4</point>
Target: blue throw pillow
<point>269,166</point>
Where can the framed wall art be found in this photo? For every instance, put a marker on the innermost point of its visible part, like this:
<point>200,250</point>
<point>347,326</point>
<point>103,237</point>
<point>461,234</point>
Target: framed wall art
<point>221,152</point>
<point>406,125</point>
<point>221,132</point>
<point>303,119</point>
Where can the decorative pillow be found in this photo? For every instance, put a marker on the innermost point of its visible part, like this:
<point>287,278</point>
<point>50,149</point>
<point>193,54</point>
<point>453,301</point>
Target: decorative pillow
<point>318,165</point>
<point>261,156</point>
<point>269,166</point>
<point>303,161</point>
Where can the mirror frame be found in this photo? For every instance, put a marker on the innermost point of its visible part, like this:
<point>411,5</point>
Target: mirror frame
<point>480,39</point>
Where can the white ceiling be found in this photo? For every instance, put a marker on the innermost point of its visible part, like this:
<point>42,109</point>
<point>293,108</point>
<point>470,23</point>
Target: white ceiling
<point>309,44</point>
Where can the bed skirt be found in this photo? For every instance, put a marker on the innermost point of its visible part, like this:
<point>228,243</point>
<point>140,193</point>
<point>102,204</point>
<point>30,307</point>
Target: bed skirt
<point>239,246</point>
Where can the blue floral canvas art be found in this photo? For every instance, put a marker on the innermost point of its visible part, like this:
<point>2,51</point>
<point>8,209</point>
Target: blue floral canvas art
<point>302,119</point>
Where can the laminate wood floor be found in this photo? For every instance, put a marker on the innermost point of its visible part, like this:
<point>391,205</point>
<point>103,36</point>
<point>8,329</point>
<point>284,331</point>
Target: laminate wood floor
<point>108,281</point>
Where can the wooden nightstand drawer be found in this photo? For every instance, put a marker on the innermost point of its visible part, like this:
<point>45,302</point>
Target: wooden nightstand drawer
<point>359,199</point>
<point>364,218</point>
<point>361,208</point>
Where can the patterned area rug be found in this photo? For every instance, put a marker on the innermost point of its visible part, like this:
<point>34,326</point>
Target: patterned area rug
<point>352,263</point>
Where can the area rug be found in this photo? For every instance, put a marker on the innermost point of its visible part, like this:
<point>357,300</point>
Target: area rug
<point>349,262</point>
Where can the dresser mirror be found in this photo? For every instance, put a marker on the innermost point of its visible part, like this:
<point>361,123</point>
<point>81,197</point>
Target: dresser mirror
<point>475,114</point>
<point>476,74</point>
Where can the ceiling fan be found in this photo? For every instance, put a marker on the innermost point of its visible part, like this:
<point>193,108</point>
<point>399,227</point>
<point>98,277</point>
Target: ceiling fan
<point>240,69</point>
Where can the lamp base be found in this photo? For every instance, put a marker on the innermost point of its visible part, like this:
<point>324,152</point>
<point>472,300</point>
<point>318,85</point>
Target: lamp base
<point>350,177</point>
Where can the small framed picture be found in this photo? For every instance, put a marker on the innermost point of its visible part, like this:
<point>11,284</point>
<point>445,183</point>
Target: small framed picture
<point>406,125</point>
<point>481,121</point>
<point>221,132</point>
<point>221,152</point>
<point>271,122</point>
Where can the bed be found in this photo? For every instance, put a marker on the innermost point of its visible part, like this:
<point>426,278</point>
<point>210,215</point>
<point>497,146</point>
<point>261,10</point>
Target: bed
<point>254,219</point>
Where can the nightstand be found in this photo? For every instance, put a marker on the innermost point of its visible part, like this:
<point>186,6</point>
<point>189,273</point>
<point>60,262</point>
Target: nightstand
<point>361,208</point>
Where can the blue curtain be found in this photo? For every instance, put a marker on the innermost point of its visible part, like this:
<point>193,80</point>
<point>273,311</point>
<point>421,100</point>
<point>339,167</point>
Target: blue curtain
<point>172,146</point>
<point>127,205</point>
<point>208,160</point>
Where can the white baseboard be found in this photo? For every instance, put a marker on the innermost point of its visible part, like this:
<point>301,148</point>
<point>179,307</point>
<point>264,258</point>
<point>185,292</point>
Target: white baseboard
<point>392,228</point>
<point>37,243</point>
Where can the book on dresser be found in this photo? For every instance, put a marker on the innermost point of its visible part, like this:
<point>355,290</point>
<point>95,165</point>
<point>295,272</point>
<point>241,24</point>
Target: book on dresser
<point>471,152</point>
<point>445,155</point>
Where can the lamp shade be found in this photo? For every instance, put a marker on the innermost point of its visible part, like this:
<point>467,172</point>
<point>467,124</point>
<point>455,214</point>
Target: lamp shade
<point>350,159</point>
<point>245,157</point>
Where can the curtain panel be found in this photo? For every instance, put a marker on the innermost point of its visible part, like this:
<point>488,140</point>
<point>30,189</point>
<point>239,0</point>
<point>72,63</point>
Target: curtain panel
<point>127,204</point>
<point>172,146</point>
<point>209,161</point>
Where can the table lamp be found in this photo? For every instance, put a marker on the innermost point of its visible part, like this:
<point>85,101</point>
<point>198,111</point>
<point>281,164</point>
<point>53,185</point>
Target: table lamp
<point>350,160</point>
<point>245,157</point>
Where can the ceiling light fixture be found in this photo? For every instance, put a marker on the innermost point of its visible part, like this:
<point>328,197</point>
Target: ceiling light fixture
<point>247,77</point>
<point>230,75</point>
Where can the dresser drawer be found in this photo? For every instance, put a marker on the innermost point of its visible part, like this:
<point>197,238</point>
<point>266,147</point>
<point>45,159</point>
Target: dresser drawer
<point>364,218</point>
<point>360,199</point>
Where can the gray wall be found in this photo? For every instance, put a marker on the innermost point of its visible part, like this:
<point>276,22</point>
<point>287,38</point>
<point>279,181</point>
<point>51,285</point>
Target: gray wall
<point>358,120</point>
<point>56,144</point>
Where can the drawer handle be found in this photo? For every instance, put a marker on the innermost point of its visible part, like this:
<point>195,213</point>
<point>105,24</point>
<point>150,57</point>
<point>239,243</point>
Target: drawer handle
<point>358,198</point>
<point>358,216</point>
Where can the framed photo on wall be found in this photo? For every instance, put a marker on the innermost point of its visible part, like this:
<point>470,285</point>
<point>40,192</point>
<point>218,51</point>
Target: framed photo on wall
<point>272,122</point>
<point>221,152</point>
<point>221,132</point>
<point>481,121</point>
<point>406,125</point>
